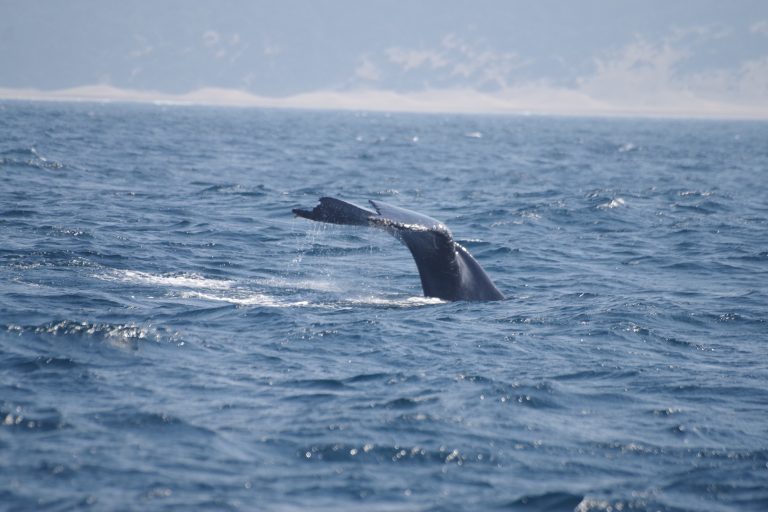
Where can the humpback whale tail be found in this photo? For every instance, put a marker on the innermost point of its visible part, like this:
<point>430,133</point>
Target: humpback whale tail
<point>447,270</point>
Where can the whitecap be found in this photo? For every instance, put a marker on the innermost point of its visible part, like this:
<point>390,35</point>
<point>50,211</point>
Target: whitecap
<point>614,203</point>
<point>694,193</point>
<point>626,148</point>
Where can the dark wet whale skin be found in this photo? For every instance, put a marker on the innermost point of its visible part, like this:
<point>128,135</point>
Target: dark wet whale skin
<point>447,270</point>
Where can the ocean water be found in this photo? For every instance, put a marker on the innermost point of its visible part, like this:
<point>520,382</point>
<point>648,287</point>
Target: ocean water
<point>171,338</point>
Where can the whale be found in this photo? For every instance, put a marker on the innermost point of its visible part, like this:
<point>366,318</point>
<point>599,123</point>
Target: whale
<point>447,270</point>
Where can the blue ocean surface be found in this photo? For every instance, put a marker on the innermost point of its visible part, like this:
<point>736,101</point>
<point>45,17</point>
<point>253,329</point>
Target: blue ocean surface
<point>172,338</point>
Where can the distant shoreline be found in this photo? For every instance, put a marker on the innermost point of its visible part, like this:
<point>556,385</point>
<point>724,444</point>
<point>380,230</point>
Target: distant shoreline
<point>520,102</point>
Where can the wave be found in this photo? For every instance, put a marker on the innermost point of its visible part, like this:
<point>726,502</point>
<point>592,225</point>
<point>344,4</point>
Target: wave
<point>613,203</point>
<point>115,333</point>
<point>35,420</point>
<point>398,454</point>
<point>551,501</point>
<point>29,158</point>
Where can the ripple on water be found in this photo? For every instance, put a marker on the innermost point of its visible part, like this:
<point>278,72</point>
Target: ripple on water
<point>556,500</point>
<point>236,189</point>
<point>129,418</point>
<point>29,365</point>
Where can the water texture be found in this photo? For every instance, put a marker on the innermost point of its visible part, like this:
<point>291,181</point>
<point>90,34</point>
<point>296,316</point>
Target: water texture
<point>172,339</point>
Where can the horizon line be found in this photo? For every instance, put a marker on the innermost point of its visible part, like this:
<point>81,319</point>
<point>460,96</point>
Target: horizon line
<point>521,101</point>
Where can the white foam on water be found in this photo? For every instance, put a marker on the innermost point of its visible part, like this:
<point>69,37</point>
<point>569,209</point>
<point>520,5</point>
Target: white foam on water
<point>248,299</point>
<point>264,300</point>
<point>614,203</point>
<point>399,301</point>
<point>626,148</point>
<point>182,280</point>
<point>299,284</point>
<point>194,286</point>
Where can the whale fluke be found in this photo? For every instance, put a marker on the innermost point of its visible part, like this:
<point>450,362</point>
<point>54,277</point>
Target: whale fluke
<point>447,270</point>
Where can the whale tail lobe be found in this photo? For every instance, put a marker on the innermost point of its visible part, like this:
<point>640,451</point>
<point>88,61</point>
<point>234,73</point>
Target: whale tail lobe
<point>336,211</point>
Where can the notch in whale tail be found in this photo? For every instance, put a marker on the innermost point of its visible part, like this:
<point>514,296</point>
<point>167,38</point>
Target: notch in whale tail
<point>447,270</point>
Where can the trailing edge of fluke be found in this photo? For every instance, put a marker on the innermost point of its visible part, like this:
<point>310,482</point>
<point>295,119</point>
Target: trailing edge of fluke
<point>447,270</point>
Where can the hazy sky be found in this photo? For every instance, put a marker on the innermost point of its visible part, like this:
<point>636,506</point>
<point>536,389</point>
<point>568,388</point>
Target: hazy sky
<point>651,55</point>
